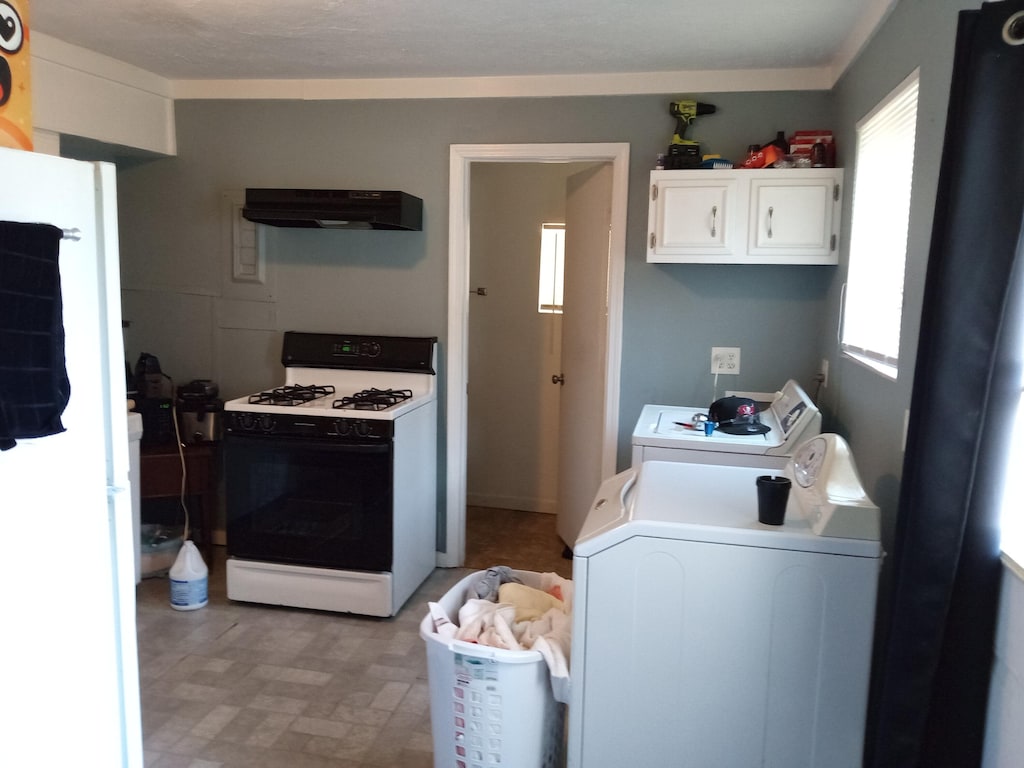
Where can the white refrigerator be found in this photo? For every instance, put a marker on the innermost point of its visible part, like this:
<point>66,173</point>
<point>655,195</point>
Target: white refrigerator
<point>70,661</point>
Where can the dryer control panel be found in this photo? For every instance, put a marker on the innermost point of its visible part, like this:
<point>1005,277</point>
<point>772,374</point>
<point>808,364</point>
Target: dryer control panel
<point>829,491</point>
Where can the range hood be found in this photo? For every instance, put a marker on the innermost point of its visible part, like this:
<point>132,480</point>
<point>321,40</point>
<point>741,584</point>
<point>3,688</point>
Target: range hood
<point>333,208</point>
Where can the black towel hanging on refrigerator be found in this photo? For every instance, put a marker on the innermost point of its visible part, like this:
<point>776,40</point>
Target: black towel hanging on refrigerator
<point>34,385</point>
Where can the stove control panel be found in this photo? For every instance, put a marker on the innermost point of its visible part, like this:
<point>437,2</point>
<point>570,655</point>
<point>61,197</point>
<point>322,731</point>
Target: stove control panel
<point>356,348</point>
<point>410,354</point>
<point>326,428</point>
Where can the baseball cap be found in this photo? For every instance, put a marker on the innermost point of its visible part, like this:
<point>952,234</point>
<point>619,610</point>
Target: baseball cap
<point>737,416</point>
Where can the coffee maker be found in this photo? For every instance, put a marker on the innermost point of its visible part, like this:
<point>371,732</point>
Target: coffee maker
<point>200,411</point>
<point>157,426</point>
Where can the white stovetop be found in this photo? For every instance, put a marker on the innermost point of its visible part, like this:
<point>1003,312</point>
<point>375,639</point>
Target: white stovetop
<point>423,387</point>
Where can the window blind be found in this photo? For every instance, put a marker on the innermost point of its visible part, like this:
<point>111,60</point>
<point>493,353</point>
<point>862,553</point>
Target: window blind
<point>883,184</point>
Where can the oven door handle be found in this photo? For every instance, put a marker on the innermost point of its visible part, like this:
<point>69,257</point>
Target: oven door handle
<point>338,445</point>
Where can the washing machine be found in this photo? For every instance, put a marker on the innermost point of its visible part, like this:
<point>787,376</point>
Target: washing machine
<point>702,637</point>
<point>671,433</point>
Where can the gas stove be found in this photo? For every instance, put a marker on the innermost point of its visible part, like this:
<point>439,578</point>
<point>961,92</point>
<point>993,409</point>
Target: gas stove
<point>330,477</point>
<point>331,376</point>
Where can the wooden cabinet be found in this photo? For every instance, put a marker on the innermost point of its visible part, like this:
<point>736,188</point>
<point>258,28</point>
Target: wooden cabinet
<point>160,476</point>
<point>745,216</point>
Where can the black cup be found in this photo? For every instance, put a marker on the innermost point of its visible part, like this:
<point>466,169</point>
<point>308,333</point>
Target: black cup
<point>772,495</point>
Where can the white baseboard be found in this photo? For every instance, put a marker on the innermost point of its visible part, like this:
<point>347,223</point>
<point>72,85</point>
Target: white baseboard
<point>524,504</point>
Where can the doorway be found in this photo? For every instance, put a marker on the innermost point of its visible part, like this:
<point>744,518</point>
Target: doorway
<point>515,338</point>
<point>462,158</point>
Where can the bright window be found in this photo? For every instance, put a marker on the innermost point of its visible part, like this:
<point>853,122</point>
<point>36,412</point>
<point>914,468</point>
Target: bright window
<point>873,300</point>
<point>1012,527</point>
<point>552,267</point>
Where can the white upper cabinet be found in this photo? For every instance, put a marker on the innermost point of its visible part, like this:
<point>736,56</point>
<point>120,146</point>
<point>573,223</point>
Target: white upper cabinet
<point>696,216</point>
<point>745,216</point>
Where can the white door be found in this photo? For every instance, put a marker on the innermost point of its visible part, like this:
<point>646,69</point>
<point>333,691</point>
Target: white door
<point>71,667</point>
<point>584,345</point>
<point>512,431</point>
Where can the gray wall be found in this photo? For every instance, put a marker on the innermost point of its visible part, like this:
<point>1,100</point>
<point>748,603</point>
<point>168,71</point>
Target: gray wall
<point>869,409</point>
<point>394,282</point>
<point>783,318</point>
<point>866,407</point>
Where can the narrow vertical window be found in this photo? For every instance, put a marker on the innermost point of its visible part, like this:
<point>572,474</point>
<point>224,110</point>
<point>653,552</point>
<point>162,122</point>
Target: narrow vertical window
<point>1012,528</point>
<point>552,266</point>
<point>873,301</point>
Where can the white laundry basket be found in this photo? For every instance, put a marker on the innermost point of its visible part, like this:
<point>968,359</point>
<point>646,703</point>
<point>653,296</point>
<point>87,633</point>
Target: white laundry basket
<point>490,706</point>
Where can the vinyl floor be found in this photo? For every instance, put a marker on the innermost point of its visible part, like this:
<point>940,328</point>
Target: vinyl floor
<point>239,684</point>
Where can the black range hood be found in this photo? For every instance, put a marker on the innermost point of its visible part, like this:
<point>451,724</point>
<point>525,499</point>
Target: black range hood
<point>334,208</point>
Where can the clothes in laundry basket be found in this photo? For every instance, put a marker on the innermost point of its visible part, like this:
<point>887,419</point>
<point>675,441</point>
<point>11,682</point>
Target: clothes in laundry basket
<point>523,618</point>
<point>487,586</point>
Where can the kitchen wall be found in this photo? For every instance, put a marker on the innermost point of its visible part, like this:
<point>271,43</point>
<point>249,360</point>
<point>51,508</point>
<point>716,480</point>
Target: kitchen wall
<point>172,252</point>
<point>870,408</point>
<point>784,319</point>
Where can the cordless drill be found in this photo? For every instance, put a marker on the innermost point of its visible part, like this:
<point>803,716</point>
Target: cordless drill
<point>683,152</point>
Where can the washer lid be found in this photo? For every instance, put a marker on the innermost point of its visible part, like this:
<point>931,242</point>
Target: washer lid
<point>715,504</point>
<point>665,426</point>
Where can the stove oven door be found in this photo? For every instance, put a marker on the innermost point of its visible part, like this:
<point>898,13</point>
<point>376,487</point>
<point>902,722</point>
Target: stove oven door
<point>309,502</point>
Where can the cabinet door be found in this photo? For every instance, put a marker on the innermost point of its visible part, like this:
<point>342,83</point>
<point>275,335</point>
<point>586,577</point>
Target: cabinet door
<point>794,218</point>
<point>693,219</point>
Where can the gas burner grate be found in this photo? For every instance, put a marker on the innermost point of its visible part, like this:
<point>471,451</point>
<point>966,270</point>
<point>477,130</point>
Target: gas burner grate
<point>292,394</point>
<point>373,399</point>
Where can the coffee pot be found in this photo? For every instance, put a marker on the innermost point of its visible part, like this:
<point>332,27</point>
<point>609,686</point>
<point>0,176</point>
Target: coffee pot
<point>200,411</point>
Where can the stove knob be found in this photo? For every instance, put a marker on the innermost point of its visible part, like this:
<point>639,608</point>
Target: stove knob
<point>362,428</point>
<point>342,427</point>
<point>245,420</point>
<point>266,423</point>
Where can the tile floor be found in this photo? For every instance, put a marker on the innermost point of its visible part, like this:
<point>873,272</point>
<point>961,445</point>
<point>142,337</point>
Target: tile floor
<point>237,684</point>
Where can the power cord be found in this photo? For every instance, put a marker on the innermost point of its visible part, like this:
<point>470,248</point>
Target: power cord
<point>820,379</point>
<point>181,456</point>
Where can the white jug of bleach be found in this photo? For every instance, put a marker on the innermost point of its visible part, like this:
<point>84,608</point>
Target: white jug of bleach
<point>189,579</point>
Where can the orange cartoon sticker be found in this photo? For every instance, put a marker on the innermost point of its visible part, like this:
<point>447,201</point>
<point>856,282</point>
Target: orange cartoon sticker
<point>15,76</point>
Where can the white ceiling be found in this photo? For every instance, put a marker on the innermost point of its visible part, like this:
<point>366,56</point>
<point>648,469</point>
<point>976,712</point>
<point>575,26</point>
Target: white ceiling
<point>343,39</point>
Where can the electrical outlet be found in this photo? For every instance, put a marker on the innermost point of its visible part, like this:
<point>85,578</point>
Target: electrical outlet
<point>725,360</point>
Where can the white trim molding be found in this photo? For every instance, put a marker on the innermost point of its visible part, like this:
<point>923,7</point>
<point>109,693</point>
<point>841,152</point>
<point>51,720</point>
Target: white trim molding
<point>540,86</point>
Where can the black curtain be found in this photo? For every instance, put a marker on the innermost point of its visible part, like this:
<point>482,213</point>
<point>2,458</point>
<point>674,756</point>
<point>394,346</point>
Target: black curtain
<point>929,701</point>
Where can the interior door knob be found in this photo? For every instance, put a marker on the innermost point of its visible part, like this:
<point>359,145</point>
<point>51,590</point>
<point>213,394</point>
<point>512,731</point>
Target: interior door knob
<point>558,378</point>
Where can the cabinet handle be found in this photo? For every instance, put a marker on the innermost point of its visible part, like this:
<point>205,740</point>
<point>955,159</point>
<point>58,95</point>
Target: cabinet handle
<point>714,220</point>
<point>771,212</point>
